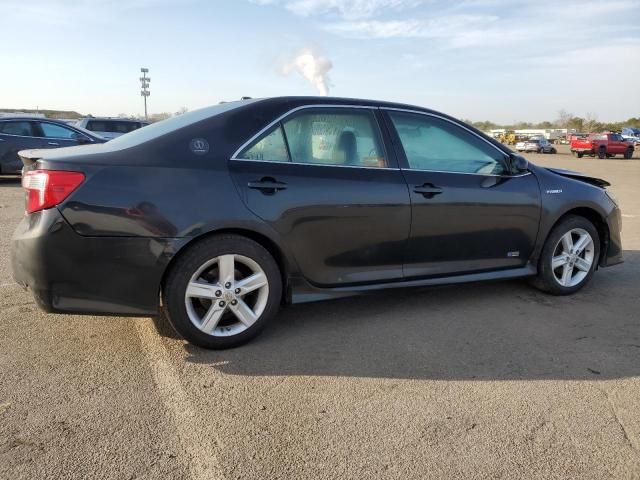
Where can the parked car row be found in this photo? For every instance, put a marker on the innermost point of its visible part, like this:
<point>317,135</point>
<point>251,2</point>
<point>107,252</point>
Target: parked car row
<point>19,133</point>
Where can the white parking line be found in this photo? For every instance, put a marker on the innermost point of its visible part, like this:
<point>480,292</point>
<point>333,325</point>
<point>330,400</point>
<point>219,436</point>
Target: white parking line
<point>626,215</point>
<point>201,454</point>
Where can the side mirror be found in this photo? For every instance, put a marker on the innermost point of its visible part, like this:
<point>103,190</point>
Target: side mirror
<point>519,164</point>
<point>82,140</point>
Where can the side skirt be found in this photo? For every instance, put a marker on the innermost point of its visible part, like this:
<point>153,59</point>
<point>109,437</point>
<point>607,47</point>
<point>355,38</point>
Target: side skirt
<point>302,291</point>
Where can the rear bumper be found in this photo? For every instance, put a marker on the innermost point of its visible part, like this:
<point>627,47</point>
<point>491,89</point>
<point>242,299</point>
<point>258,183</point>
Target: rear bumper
<point>582,150</point>
<point>612,253</point>
<point>99,275</point>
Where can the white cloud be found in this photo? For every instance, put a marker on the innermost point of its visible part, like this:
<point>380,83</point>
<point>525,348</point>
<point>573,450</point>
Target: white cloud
<point>349,9</point>
<point>436,28</point>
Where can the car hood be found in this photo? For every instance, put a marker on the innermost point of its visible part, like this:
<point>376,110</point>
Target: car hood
<point>598,182</point>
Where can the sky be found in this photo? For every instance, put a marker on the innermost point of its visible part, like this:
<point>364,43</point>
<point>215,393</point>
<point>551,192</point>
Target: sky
<point>499,60</point>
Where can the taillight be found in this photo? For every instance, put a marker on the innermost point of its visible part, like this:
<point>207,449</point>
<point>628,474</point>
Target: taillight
<point>47,188</point>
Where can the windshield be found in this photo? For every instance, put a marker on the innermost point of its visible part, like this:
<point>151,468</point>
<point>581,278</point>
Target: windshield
<point>169,125</point>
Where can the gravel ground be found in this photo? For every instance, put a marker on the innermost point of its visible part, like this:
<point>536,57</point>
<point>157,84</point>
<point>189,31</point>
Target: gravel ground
<point>475,381</point>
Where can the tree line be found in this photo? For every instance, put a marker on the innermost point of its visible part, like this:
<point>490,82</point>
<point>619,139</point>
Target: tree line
<point>566,120</point>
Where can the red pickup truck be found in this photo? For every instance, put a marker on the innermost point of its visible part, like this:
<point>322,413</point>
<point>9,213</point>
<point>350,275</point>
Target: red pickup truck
<point>604,145</point>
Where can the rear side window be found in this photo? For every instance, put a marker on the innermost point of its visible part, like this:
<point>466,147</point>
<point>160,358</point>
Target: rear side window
<point>269,147</point>
<point>21,128</point>
<point>334,137</point>
<point>434,144</point>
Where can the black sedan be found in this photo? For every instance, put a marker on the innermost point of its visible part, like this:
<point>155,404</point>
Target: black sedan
<point>221,215</point>
<point>18,133</point>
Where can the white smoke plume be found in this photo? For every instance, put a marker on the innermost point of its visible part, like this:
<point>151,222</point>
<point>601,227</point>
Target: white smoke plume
<point>313,67</point>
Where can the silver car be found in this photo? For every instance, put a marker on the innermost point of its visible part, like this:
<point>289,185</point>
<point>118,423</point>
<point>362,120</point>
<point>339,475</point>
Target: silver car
<point>537,145</point>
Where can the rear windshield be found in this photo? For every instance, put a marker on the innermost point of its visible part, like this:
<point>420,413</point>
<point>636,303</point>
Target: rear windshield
<point>172,124</point>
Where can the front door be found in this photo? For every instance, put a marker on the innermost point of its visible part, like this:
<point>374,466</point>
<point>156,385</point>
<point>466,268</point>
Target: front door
<point>58,136</point>
<point>468,213</point>
<point>322,180</point>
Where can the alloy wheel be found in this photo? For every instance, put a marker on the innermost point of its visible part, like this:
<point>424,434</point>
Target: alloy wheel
<point>573,257</point>
<point>226,295</point>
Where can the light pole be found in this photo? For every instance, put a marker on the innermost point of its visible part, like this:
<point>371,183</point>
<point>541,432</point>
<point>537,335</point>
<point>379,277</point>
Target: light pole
<point>144,81</point>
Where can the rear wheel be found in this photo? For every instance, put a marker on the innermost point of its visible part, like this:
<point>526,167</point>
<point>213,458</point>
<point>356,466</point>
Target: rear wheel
<point>629,153</point>
<point>580,154</point>
<point>602,153</point>
<point>222,292</point>
<point>553,151</point>
<point>569,256</point>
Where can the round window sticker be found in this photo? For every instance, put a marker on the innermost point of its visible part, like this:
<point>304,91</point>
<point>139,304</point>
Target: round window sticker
<point>199,146</point>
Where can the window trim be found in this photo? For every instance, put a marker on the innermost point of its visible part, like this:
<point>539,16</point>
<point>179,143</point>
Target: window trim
<point>282,117</point>
<point>428,114</point>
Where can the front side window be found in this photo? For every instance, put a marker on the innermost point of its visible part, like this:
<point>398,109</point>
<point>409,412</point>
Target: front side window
<point>434,144</point>
<point>51,130</point>
<point>269,147</point>
<point>21,128</point>
<point>334,137</point>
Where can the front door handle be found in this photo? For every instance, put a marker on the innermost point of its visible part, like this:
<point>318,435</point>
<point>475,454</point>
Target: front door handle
<point>428,190</point>
<point>267,185</point>
<point>53,144</point>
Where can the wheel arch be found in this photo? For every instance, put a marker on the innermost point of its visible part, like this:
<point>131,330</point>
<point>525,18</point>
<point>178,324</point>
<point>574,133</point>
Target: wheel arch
<point>284,264</point>
<point>596,219</point>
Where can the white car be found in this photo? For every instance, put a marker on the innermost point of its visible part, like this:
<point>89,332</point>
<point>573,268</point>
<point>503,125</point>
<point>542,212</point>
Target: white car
<point>110,128</point>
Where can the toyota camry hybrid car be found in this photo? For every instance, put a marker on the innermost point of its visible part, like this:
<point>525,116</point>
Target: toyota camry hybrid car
<point>221,215</point>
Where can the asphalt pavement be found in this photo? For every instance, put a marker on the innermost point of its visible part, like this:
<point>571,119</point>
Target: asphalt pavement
<point>492,380</point>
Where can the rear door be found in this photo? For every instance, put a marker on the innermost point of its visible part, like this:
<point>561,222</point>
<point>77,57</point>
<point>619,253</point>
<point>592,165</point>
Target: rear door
<point>322,179</point>
<point>468,213</point>
<point>16,135</point>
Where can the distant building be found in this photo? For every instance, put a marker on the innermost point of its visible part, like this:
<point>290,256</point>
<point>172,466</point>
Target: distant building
<point>21,114</point>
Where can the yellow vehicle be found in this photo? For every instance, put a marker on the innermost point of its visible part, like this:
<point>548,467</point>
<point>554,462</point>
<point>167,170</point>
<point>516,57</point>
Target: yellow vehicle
<point>508,137</point>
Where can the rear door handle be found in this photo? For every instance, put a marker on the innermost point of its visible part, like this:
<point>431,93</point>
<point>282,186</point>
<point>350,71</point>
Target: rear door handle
<point>53,144</point>
<point>267,185</point>
<point>428,190</point>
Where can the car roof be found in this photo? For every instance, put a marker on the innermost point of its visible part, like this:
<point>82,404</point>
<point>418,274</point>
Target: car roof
<point>33,119</point>
<point>316,100</point>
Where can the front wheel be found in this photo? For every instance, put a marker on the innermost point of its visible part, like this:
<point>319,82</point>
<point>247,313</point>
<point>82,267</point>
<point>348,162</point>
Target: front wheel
<point>222,292</point>
<point>580,154</point>
<point>628,154</point>
<point>602,153</point>
<point>569,256</point>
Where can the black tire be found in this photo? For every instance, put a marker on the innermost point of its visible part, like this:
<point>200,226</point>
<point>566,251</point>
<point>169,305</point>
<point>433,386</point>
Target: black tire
<point>546,280</point>
<point>174,289</point>
<point>580,154</point>
<point>553,151</point>
<point>628,154</point>
<point>602,153</point>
